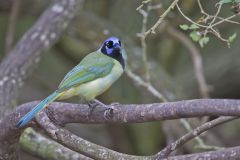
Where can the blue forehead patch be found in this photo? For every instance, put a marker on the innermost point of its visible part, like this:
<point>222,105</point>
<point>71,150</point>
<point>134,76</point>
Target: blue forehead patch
<point>114,39</point>
<point>104,49</point>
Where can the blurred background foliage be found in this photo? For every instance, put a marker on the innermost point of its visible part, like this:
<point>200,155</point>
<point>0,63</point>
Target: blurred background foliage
<point>170,67</point>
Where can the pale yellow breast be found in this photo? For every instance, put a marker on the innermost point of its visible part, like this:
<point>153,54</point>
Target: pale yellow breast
<point>96,87</point>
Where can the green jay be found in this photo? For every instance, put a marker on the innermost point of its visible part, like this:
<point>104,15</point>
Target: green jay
<point>90,78</point>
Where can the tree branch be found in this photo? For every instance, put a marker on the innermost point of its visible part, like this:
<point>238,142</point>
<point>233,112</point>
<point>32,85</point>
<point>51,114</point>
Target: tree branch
<point>16,66</point>
<point>232,153</point>
<point>190,135</point>
<point>80,145</point>
<point>21,59</point>
<point>159,21</point>
<point>63,113</point>
<point>42,147</point>
<point>98,152</point>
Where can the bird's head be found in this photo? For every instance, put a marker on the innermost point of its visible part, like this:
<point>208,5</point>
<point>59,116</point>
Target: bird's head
<point>112,48</point>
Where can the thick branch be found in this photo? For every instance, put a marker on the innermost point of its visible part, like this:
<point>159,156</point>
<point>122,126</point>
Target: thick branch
<point>80,145</point>
<point>132,113</point>
<point>36,144</point>
<point>63,113</point>
<point>232,153</point>
<point>21,59</point>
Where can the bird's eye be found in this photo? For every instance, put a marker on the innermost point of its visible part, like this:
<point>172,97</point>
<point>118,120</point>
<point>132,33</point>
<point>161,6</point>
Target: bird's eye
<point>120,43</point>
<point>109,44</point>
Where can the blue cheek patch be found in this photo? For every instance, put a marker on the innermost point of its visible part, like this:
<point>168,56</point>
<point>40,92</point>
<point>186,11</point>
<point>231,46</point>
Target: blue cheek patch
<point>109,51</point>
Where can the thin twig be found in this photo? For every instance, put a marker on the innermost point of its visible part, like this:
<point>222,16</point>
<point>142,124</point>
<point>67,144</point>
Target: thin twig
<point>213,19</point>
<point>209,28</point>
<point>206,26</point>
<point>200,142</point>
<point>211,16</point>
<point>193,134</point>
<point>159,21</point>
<point>138,80</point>
<point>189,19</point>
<point>225,19</point>
<point>143,40</point>
<point>196,57</point>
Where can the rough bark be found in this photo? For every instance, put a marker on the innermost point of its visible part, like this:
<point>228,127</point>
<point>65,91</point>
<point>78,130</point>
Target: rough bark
<point>42,35</point>
<point>63,113</point>
<point>15,67</point>
<point>42,147</point>
<point>232,153</point>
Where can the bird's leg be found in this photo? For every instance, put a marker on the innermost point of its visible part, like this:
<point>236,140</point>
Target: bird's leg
<point>92,105</point>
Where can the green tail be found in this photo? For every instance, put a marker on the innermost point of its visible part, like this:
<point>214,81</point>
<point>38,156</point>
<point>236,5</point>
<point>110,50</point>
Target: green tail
<point>25,119</point>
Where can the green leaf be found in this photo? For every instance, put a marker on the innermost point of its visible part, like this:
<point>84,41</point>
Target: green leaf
<point>232,37</point>
<point>195,36</point>
<point>237,1</point>
<point>184,27</point>
<point>193,26</point>
<point>203,41</point>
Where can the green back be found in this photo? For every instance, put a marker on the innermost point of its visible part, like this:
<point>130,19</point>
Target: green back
<point>93,66</point>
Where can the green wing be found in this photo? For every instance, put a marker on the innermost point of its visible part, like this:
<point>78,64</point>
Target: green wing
<point>93,66</point>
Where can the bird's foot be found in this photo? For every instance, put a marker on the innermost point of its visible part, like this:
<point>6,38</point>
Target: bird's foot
<point>92,105</point>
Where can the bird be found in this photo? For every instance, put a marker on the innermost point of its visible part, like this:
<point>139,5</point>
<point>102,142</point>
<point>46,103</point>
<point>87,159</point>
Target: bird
<point>95,73</point>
